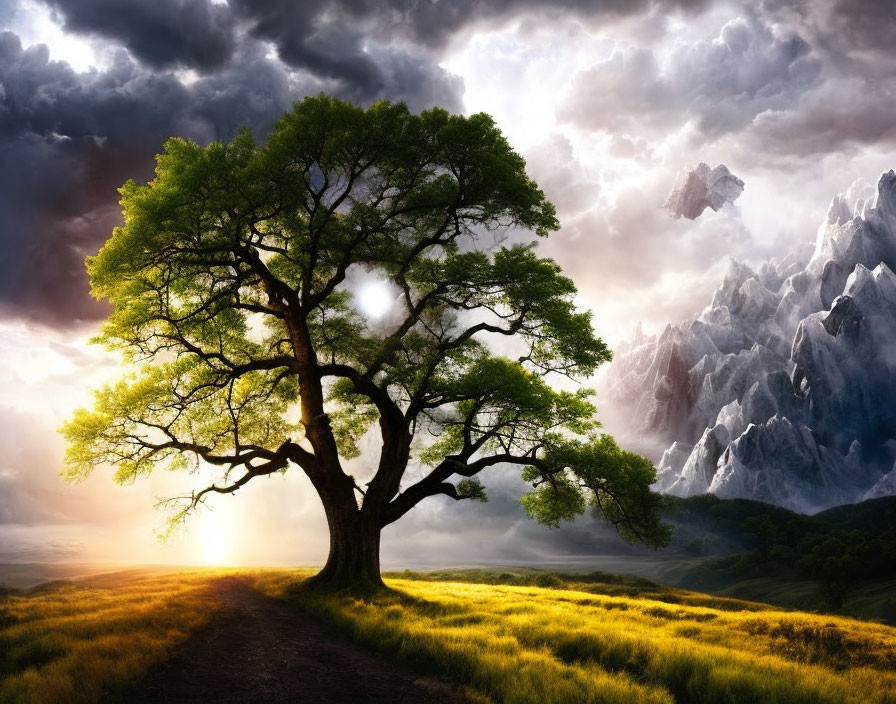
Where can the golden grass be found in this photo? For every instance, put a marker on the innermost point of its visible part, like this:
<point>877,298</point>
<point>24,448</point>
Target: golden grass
<point>521,645</point>
<point>87,642</point>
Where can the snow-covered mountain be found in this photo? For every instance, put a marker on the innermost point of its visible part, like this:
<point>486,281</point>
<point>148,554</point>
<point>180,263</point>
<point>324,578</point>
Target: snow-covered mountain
<point>784,388</point>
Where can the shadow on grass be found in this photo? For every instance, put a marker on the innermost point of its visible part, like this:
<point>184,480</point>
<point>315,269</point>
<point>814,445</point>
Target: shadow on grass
<point>310,596</point>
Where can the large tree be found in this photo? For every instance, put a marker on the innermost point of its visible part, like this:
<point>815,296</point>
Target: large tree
<point>229,287</point>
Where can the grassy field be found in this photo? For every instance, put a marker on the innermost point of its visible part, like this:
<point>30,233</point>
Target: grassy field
<point>85,642</point>
<point>869,601</point>
<point>525,644</point>
<point>573,639</point>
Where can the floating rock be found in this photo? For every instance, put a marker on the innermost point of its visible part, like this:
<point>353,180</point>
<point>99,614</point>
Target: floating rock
<point>703,188</point>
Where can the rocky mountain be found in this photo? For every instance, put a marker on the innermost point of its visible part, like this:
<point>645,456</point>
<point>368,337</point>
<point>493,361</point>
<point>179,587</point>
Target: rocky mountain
<point>784,388</point>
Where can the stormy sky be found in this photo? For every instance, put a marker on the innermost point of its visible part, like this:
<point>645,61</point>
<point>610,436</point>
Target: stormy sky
<point>607,101</point>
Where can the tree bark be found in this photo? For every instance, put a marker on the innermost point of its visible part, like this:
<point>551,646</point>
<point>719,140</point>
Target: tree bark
<point>354,559</point>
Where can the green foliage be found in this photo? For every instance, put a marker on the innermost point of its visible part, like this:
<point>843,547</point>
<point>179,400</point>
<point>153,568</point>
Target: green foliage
<point>559,499</point>
<point>839,548</point>
<point>227,283</point>
<point>472,489</point>
<point>173,411</point>
<point>351,415</point>
<point>615,482</point>
<point>501,394</point>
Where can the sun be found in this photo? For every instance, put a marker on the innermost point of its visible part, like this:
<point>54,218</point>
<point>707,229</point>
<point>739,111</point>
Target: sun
<point>375,299</point>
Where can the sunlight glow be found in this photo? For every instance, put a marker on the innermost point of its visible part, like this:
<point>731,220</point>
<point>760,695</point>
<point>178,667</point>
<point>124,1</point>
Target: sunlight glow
<point>35,23</point>
<point>214,538</point>
<point>375,299</point>
<point>539,63</point>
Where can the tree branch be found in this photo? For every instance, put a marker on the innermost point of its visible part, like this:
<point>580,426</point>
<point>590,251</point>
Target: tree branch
<point>278,461</point>
<point>434,483</point>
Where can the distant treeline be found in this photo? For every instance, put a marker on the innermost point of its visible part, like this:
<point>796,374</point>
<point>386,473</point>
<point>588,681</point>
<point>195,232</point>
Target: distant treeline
<point>838,548</point>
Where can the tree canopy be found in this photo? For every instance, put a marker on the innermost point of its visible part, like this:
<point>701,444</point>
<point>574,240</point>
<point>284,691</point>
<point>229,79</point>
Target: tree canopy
<point>231,301</point>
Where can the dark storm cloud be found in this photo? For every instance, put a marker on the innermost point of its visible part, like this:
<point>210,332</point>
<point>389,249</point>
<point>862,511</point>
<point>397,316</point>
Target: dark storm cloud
<point>856,101</point>
<point>161,33</point>
<point>401,74</point>
<point>842,113</point>
<point>307,33</point>
<point>853,30</point>
<point>341,40</point>
<point>68,140</point>
<point>794,77</point>
<point>435,22</point>
<point>863,26</point>
<point>314,36</point>
<point>722,82</point>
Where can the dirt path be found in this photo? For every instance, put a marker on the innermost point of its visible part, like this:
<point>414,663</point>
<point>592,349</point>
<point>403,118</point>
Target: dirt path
<point>259,651</point>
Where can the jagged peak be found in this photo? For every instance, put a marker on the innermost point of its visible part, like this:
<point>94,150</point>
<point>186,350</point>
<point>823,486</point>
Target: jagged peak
<point>885,200</point>
<point>859,277</point>
<point>736,275</point>
<point>715,315</point>
<point>866,286</point>
<point>885,486</point>
<point>843,317</point>
<point>881,277</point>
<point>664,335</point>
<point>703,367</point>
<point>738,271</point>
<point>753,284</point>
<point>731,416</point>
<point>795,260</point>
<point>836,236</point>
<point>884,275</point>
<point>839,211</point>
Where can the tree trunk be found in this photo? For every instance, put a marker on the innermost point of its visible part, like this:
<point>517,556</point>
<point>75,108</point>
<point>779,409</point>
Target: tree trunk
<point>354,560</point>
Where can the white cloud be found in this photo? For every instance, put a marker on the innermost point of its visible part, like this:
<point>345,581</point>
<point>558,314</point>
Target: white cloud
<point>35,23</point>
<point>721,82</point>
